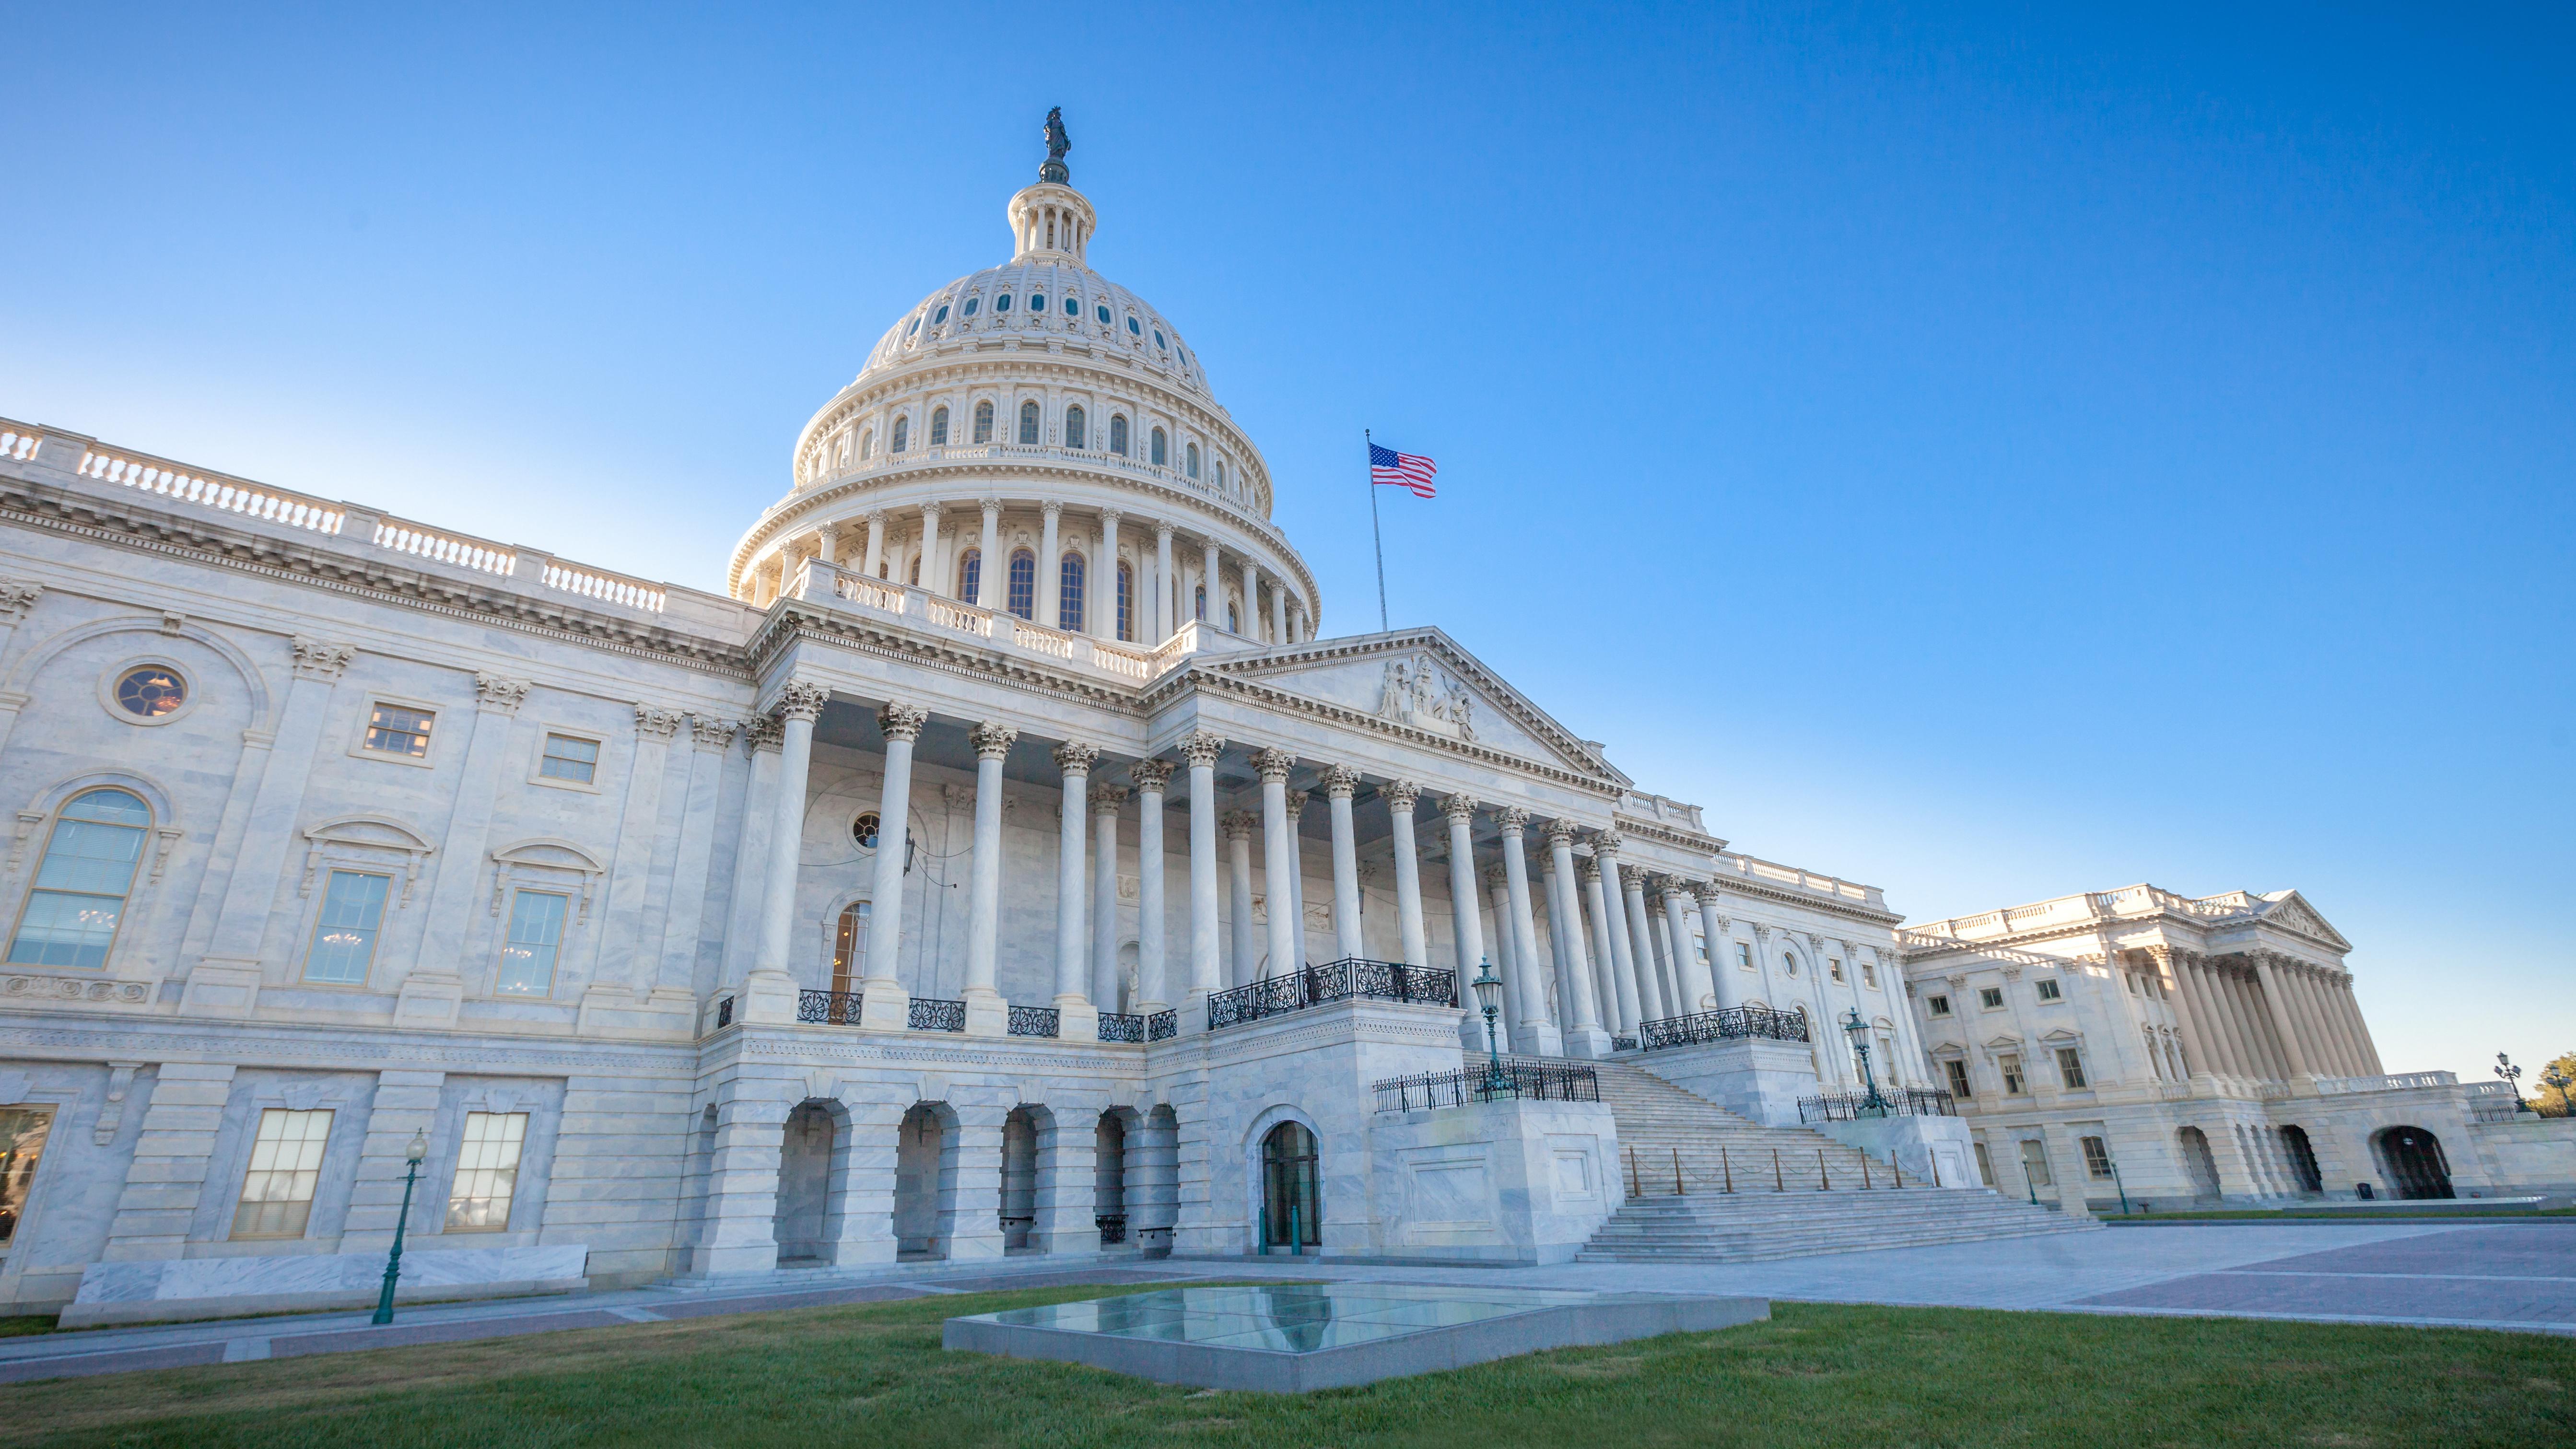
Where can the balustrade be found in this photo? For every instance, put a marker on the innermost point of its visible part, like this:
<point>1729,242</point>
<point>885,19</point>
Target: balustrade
<point>1034,1021</point>
<point>1527,1081</point>
<point>1894,1102</point>
<point>1725,1025</point>
<point>1334,981</point>
<point>1120,1026</point>
<point>931,1015</point>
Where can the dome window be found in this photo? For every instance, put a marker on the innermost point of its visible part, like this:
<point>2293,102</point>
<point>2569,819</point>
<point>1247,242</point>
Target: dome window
<point>1002,303</point>
<point>1074,435</point>
<point>1118,434</point>
<point>1072,307</point>
<point>867,443</point>
<point>1037,303</point>
<point>984,422</point>
<point>972,303</point>
<point>970,574</point>
<point>1069,579</point>
<point>915,327</point>
<point>1028,422</point>
<point>1159,342</point>
<point>939,427</point>
<point>1103,314</point>
<point>902,435</point>
<point>1160,454</point>
<point>942,317</point>
<point>1023,586</point>
<point>1191,456</point>
<point>1133,330</point>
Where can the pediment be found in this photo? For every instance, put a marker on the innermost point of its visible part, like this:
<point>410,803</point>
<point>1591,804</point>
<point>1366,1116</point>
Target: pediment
<point>1420,680</point>
<point>380,831</point>
<point>550,854</point>
<point>2291,910</point>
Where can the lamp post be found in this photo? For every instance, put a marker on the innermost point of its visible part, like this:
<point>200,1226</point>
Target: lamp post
<point>412,1154</point>
<point>2560,1080</point>
<point>1489,999</point>
<point>2512,1079</point>
<point>1872,1105</point>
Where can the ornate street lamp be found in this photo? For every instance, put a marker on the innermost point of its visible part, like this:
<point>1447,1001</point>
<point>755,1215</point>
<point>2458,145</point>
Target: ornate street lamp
<point>1872,1105</point>
<point>2512,1079</point>
<point>1489,999</point>
<point>2560,1080</point>
<point>412,1154</point>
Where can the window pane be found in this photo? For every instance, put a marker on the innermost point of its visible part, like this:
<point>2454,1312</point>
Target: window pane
<point>1024,585</point>
<point>395,730</point>
<point>569,758</point>
<point>536,934</point>
<point>80,885</point>
<point>487,1171</point>
<point>344,938</point>
<point>22,1142</point>
<point>285,1164</point>
<point>1069,592</point>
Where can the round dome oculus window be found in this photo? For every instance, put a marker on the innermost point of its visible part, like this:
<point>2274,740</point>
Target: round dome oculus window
<point>864,831</point>
<point>151,691</point>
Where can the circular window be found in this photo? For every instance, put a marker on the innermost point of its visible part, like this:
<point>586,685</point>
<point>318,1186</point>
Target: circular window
<point>151,691</point>
<point>972,303</point>
<point>942,317</point>
<point>864,831</point>
<point>1104,316</point>
<point>1133,329</point>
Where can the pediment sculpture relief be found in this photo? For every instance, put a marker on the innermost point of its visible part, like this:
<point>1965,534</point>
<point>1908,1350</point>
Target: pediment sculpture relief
<point>1421,694</point>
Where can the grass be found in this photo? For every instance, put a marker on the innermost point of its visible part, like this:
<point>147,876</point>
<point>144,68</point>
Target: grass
<point>2455,1212</point>
<point>22,1326</point>
<point>1815,1375</point>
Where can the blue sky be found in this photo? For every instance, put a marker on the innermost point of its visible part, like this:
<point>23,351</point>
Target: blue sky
<point>1991,454</point>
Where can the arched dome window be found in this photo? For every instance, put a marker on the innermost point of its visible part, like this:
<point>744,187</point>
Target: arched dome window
<point>81,884</point>
<point>1233,617</point>
<point>1159,342</point>
<point>970,572</point>
<point>942,317</point>
<point>911,327</point>
<point>984,422</point>
<point>1132,329</point>
<point>1073,429</point>
<point>902,435</point>
<point>1037,303</point>
<point>1199,611</point>
<point>939,427</point>
<point>1028,422</point>
<point>1220,472</point>
<point>1072,307</point>
<point>1103,314</point>
<point>1190,457</point>
<point>1118,434</point>
<point>1126,602</point>
<point>1023,599</point>
<point>1160,451</point>
<point>1002,303</point>
<point>972,303</point>
<point>1068,575</point>
<point>867,443</point>
<point>914,578</point>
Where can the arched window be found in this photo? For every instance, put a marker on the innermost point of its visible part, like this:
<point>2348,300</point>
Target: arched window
<point>1161,453</point>
<point>1199,611</point>
<point>939,427</point>
<point>1073,430</point>
<point>1220,472</point>
<point>902,435</point>
<point>972,303</point>
<point>984,422</point>
<point>1037,302</point>
<point>867,443</point>
<point>1002,303</point>
<point>1291,1195</point>
<point>1102,313</point>
<point>1159,342</point>
<point>1072,308</point>
<point>942,317</point>
<point>1126,599</point>
<point>1069,591</point>
<point>970,572</point>
<point>1233,617</point>
<point>1118,434</point>
<point>1023,599</point>
<point>916,571</point>
<point>1190,455</point>
<point>81,885</point>
<point>850,946</point>
<point>1028,422</point>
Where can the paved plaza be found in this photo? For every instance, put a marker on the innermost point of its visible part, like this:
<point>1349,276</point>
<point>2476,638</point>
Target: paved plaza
<point>2515,1276</point>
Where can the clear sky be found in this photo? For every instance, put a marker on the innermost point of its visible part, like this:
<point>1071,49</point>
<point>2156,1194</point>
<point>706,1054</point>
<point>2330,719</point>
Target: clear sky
<point>1991,455</point>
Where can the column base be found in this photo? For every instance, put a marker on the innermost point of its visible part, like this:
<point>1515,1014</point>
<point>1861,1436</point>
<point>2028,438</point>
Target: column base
<point>768,998</point>
<point>1076,1019</point>
<point>1544,1039</point>
<point>1190,1017</point>
<point>885,1006</point>
<point>1587,1041</point>
<point>987,1014</point>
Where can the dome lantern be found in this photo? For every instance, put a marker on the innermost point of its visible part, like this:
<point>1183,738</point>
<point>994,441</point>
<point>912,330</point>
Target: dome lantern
<point>1050,222</point>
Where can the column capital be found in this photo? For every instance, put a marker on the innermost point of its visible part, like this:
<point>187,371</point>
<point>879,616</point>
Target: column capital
<point>1074,757</point>
<point>1588,869</point>
<point>765,733</point>
<point>930,514</point>
<point>1273,764</point>
<point>1400,795</point>
<point>1340,782</point>
<point>1163,532</point>
<point>1559,833</point>
<point>902,721</point>
<point>713,734</point>
<point>873,518</point>
<point>1633,878</point>
<point>1710,893</point>
<point>321,659</point>
<point>497,695</point>
<point>1239,824</point>
<point>1607,842</point>
<point>1461,807</point>
<point>656,724</point>
<point>1151,775</point>
<point>1200,748</point>
<point>1051,510</point>
<point>992,740</point>
<point>799,700</point>
<point>1106,799</point>
<point>992,507</point>
<point>1109,517</point>
<point>1297,805</point>
<point>1496,877</point>
<point>1511,819</point>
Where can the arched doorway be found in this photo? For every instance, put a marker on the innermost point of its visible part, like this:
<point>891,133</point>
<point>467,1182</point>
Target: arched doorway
<point>1109,1179</point>
<point>1154,1192</point>
<point>804,1185</point>
<point>2303,1159</point>
<point>922,1190</point>
<point>2198,1161</point>
<point>1019,1204</point>
<point>1291,1200</point>
<point>2415,1162</point>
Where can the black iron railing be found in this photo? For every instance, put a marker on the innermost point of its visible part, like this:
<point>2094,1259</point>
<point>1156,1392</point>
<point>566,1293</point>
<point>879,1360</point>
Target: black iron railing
<point>1526,1080</point>
<point>1894,1102</point>
<point>1623,1043</point>
<point>1336,981</point>
<point>1113,1228</point>
<point>829,1008</point>
<point>1163,1025</point>
<point>931,1015</point>
<point>1120,1026</point>
<point>1734,1021</point>
<point>1034,1021</point>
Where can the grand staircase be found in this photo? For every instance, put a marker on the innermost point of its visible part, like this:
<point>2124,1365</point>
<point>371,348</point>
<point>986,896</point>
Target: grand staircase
<point>1794,1191</point>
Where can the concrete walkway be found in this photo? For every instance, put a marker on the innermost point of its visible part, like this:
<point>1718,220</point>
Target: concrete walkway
<point>2450,1274</point>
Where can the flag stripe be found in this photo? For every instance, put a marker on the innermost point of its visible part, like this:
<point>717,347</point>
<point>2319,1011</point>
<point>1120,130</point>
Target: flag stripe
<point>1391,469</point>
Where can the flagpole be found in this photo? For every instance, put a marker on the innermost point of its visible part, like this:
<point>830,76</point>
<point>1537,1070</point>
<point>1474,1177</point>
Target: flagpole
<point>1366,445</point>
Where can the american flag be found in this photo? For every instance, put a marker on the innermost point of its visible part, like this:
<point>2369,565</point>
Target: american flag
<point>1389,468</point>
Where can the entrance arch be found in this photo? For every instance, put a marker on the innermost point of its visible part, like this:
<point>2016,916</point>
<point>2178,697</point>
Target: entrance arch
<point>1111,1136</point>
<point>1291,1191</point>
<point>925,1182</point>
<point>2415,1162</point>
<point>1019,1213</point>
<point>2303,1158</point>
<point>805,1184</point>
<point>2197,1161</point>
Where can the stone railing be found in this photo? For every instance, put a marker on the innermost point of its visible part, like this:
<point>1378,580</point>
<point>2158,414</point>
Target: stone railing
<point>1894,1102</point>
<point>209,490</point>
<point>2400,1082</point>
<point>455,549</point>
<point>1750,868</point>
<point>820,582</point>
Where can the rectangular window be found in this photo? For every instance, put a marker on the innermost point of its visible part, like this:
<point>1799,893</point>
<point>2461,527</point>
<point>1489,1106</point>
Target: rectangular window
<point>1958,1073</point>
<point>1940,1005</point>
<point>2011,1067</point>
<point>285,1163</point>
<point>344,935</point>
<point>1834,964</point>
<point>2034,1162</point>
<point>2097,1157</point>
<point>394,729</point>
<point>536,935</point>
<point>570,757</point>
<point>1869,974</point>
<point>849,947</point>
<point>2133,985</point>
<point>2048,990</point>
<point>1985,1165</point>
<point>22,1142</point>
<point>1990,997</point>
<point>487,1172</point>
<point>2070,1066</point>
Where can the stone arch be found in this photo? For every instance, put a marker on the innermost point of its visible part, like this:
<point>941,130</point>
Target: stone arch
<point>815,1137</point>
<point>254,685</point>
<point>1256,1139</point>
<point>2198,1162</point>
<point>925,1181</point>
<point>1154,1183</point>
<point>2413,1161</point>
<point>1117,1134</point>
<point>1023,1130</point>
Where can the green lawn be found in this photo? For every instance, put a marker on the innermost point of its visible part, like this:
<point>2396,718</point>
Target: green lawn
<point>1813,1376</point>
<point>2453,1212</point>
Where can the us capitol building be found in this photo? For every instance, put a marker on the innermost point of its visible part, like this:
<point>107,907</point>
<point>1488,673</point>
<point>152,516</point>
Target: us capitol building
<point>1008,862</point>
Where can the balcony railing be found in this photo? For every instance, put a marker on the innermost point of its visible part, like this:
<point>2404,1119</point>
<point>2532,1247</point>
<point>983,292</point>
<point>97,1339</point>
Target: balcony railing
<point>1525,1081</point>
<point>1163,1025</point>
<point>1895,1102</point>
<point>828,1008</point>
<point>1033,1021</point>
<point>1726,1025</point>
<point>1336,981</point>
<point>930,1015</point>
<point>1120,1026</point>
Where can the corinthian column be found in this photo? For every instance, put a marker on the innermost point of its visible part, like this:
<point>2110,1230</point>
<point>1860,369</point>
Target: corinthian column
<point>1636,999</point>
<point>1583,1035</point>
<point>1050,599</point>
<point>1297,871</point>
<point>1153,990</point>
<point>1102,586</point>
<point>1400,797</point>
<point>1240,827</point>
<point>1465,927</point>
<point>1078,1019</point>
<point>1507,960</point>
<point>1622,996</point>
<point>1340,782</point>
<point>2269,983</point>
<point>799,705</point>
<point>987,1014</point>
<point>1199,749</point>
<point>1534,1008</point>
<point>1163,591</point>
<point>988,592</point>
<point>1105,802</point>
<point>1722,985</point>
<point>930,569</point>
<point>1278,859</point>
<point>883,1002</point>
<point>1694,979</point>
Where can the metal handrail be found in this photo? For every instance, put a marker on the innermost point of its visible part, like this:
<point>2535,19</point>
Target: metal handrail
<point>1527,1081</point>
<point>1034,1021</point>
<point>1894,1102</point>
<point>1723,1025</point>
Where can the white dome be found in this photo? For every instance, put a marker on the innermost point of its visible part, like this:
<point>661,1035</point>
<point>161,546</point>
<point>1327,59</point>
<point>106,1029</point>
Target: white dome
<point>1078,302</point>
